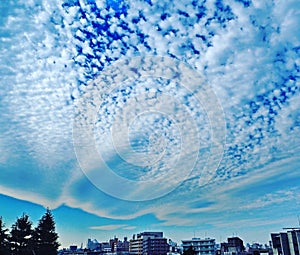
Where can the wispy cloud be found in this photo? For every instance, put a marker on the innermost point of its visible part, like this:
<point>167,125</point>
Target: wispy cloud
<point>129,228</point>
<point>278,197</point>
<point>109,227</point>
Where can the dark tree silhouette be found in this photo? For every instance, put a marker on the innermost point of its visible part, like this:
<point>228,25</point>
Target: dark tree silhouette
<point>4,242</point>
<point>21,236</point>
<point>189,251</point>
<point>45,237</point>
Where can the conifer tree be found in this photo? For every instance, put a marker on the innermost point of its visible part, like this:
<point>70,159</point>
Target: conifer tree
<point>45,237</point>
<point>21,236</point>
<point>4,242</point>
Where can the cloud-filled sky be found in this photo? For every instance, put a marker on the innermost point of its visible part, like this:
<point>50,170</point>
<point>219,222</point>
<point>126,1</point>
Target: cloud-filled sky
<point>192,107</point>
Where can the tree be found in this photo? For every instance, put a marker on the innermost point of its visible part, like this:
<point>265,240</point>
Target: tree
<point>45,236</point>
<point>4,242</point>
<point>189,251</point>
<point>21,236</point>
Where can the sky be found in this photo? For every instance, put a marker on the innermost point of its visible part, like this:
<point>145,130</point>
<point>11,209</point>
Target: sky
<point>129,116</point>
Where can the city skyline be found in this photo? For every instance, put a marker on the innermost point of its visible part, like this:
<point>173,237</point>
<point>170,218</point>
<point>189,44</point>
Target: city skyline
<point>123,116</point>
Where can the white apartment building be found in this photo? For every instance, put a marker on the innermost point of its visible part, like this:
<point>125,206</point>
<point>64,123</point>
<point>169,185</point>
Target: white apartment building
<point>205,246</point>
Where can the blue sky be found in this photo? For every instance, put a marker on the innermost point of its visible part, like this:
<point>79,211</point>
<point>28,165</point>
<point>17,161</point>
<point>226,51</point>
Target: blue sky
<point>197,122</point>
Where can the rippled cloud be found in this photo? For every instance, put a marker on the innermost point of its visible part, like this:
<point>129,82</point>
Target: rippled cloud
<point>246,51</point>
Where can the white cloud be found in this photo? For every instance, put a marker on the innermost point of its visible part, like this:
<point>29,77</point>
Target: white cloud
<point>109,227</point>
<point>278,197</point>
<point>239,59</point>
<point>30,196</point>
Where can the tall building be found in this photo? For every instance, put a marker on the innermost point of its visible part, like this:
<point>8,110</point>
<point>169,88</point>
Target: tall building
<point>234,246</point>
<point>113,244</point>
<point>286,243</point>
<point>200,246</point>
<point>136,245</point>
<point>122,247</point>
<point>294,241</point>
<point>148,243</point>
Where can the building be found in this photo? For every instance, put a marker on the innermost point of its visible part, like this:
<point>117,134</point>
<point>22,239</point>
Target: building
<point>200,246</point>
<point>113,244</point>
<point>286,243</point>
<point>148,243</point>
<point>122,247</point>
<point>93,245</point>
<point>234,246</point>
<point>174,248</point>
<point>258,249</point>
<point>294,241</point>
<point>136,245</point>
<point>73,250</point>
<point>105,247</point>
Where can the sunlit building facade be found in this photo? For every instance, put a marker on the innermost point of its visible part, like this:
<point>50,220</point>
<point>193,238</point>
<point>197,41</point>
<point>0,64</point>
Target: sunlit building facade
<point>149,243</point>
<point>200,246</point>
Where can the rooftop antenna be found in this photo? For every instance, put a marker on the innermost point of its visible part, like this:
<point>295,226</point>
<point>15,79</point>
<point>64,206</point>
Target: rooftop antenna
<point>298,219</point>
